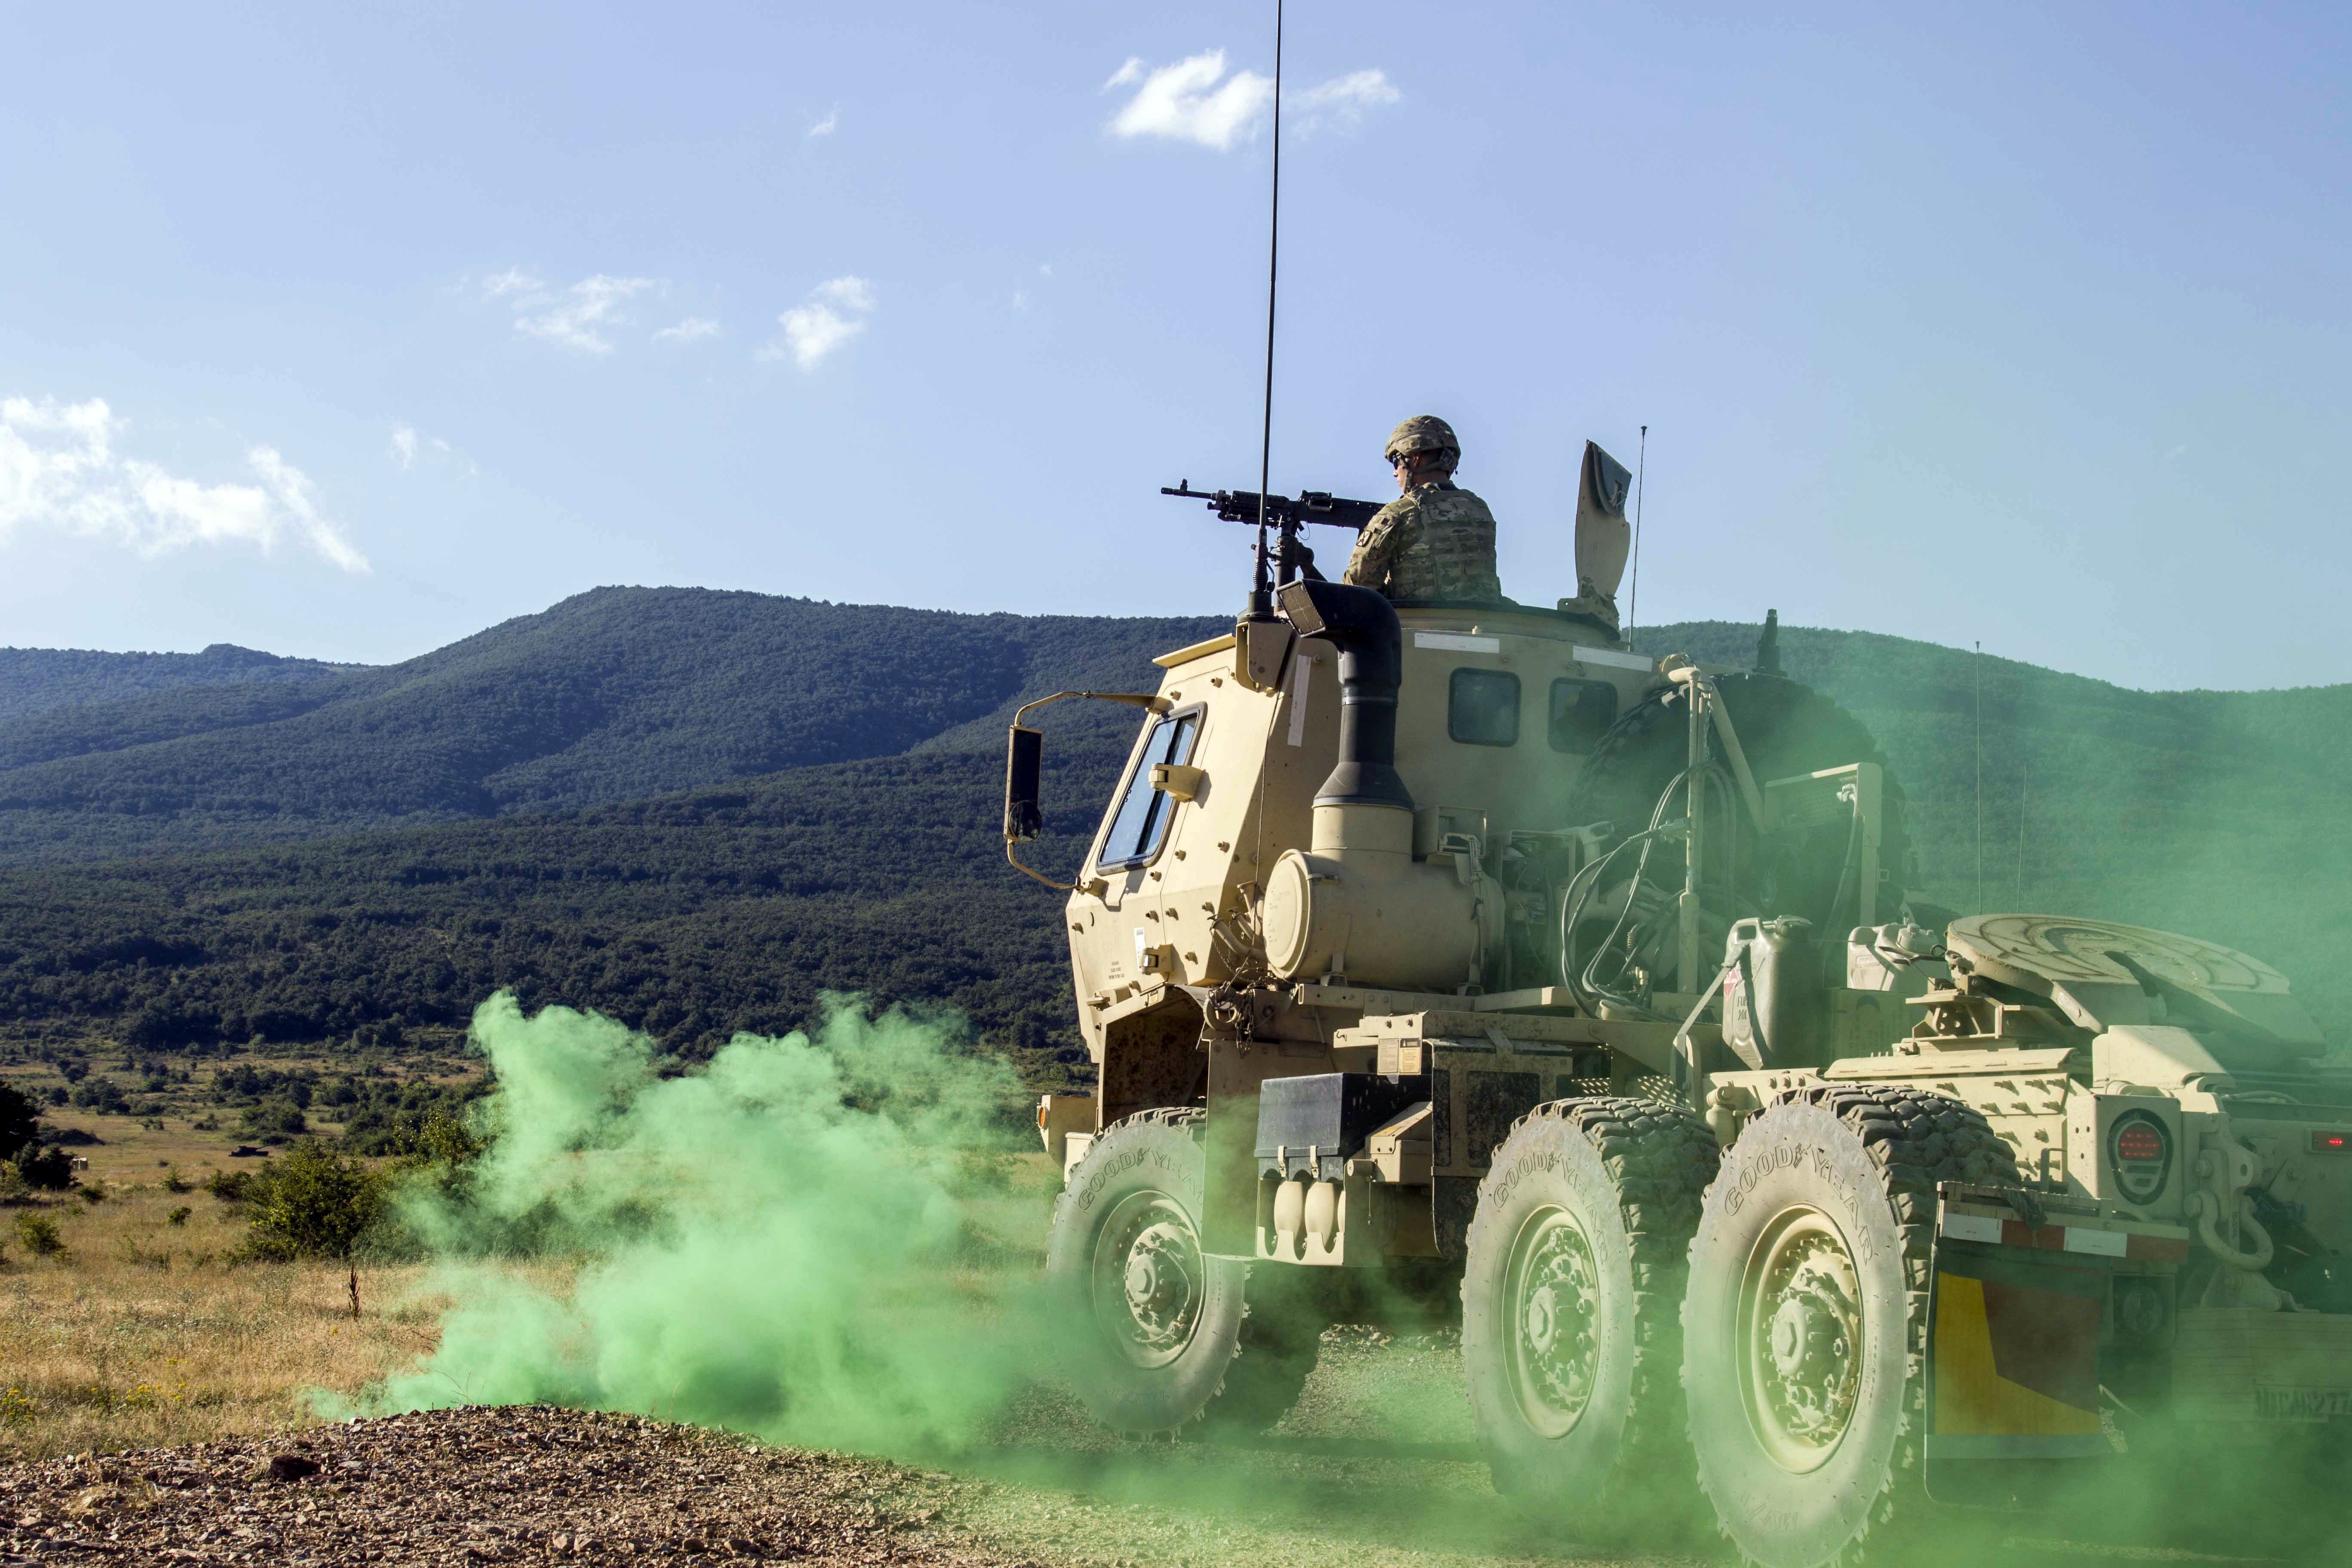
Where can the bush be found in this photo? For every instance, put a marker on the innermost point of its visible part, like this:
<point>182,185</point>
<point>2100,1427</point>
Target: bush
<point>46,1167</point>
<point>179,1215</point>
<point>313,1203</point>
<point>276,1121</point>
<point>101,1094</point>
<point>39,1233</point>
<point>172,1181</point>
<point>230,1186</point>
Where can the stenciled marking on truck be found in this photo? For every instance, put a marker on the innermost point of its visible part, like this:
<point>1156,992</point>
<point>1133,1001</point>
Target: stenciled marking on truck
<point>2302,1404</point>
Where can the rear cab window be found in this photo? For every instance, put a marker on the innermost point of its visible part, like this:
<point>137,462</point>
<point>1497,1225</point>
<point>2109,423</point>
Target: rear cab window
<point>1582,712</point>
<point>1482,707</point>
<point>1139,825</point>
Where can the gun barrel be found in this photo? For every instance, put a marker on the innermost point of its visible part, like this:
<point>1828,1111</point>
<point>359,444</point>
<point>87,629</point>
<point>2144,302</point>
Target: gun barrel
<point>1311,506</point>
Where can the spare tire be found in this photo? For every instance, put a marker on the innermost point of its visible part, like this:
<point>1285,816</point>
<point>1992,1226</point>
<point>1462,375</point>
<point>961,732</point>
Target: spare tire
<point>1784,729</point>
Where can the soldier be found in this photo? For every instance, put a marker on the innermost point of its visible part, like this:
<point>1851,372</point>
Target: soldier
<point>1435,541</point>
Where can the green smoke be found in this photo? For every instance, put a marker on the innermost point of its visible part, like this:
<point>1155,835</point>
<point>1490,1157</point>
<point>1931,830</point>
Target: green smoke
<point>774,1244</point>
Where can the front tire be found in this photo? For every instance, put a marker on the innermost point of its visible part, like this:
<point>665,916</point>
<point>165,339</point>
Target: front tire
<point>1569,1288</point>
<point>1163,1336</point>
<point>1804,1329</point>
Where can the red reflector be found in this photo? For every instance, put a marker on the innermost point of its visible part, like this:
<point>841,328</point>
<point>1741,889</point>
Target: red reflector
<point>2139,1141</point>
<point>2331,1142</point>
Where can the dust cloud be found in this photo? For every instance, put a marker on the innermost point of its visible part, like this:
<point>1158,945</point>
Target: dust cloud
<point>776,1244</point>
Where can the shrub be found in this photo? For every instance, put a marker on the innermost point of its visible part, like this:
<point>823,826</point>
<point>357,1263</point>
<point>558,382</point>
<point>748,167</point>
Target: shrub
<point>100,1094</point>
<point>313,1203</point>
<point>230,1186</point>
<point>46,1167</point>
<point>39,1233</point>
<point>172,1181</point>
<point>93,1192</point>
<point>179,1215</point>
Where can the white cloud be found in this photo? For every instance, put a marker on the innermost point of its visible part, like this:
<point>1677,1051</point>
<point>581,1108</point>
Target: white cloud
<point>572,317</point>
<point>814,331</point>
<point>1020,298</point>
<point>688,330</point>
<point>849,293</point>
<point>828,126</point>
<point>1340,103</point>
<point>1194,100</point>
<point>409,444</point>
<point>58,469</point>
<point>810,332</point>
<point>513,280</point>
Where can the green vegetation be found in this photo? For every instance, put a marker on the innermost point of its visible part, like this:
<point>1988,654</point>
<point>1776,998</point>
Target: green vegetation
<point>36,679</point>
<point>731,905</point>
<point>611,695</point>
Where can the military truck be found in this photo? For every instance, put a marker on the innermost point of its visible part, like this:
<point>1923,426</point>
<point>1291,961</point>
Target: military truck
<point>1458,956</point>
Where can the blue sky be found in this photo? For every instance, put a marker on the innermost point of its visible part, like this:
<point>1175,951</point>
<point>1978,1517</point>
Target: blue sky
<point>2026,325</point>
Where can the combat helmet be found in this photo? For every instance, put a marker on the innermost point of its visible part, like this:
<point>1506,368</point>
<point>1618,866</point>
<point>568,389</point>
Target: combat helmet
<point>1422,433</point>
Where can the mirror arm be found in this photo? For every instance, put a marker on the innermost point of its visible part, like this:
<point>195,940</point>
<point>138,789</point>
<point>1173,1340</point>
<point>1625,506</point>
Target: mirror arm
<point>1149,703</point>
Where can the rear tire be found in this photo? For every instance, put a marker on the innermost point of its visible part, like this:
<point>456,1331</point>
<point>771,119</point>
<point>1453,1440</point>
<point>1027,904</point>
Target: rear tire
<point>1573,1274</point>
<point>1162,1334</point>
<point>1804,1329</point>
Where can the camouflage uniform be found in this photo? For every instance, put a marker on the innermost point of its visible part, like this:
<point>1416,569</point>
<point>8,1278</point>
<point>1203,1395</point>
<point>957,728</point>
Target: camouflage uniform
<point>1435,542</point>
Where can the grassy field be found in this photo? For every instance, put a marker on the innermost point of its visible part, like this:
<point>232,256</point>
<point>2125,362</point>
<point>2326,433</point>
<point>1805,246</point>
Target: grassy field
<point>143,1326</point>
<point>140,1331</point>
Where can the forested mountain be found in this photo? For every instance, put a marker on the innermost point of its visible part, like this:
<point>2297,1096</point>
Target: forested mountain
<point>732,905</point>
<point>37,680</point>
<point>610,695</point>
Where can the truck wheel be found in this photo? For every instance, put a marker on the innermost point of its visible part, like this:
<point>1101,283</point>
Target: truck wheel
<point>1574,1268</point>
<point>1162,1337</point>
<point>1805,1331</point>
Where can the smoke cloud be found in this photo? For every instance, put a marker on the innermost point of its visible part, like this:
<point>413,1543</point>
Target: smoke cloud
<point>775,1244</point>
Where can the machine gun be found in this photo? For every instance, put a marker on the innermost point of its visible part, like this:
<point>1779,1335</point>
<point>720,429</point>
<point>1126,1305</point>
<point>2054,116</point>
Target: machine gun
<point>1281,512</point>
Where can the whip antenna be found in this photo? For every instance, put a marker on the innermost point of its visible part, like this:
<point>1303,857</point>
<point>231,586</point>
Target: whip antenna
<point>1260,599</point>
<point>1633,596</point>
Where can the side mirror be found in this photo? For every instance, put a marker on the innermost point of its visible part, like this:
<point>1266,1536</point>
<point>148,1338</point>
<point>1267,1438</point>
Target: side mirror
<point>1025,760</point>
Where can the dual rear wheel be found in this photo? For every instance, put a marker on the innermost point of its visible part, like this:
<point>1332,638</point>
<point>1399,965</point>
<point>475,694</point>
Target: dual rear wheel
<point>1640,1313</point>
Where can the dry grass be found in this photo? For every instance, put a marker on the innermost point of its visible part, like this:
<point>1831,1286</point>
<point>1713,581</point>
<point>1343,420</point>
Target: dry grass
<point>140,1332</point>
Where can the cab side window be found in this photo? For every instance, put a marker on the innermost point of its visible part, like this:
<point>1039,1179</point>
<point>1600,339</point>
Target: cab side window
<point>1582,712</point>
<point>1141,823</point>
<point>1481,708</point>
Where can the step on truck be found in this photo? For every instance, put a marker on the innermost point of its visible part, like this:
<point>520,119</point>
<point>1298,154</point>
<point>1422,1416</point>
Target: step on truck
<point>1442,958</point>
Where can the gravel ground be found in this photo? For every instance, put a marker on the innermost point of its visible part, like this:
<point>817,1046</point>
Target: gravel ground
<point>1374,1470</point>
<point>519,1484</point>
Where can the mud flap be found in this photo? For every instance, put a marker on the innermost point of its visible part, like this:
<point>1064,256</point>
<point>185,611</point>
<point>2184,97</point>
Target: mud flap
<point>2013,1372</point>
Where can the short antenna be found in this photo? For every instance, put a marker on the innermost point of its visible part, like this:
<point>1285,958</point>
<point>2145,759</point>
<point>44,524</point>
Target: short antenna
<point>1259,598</point>
<point>1980,748</point>
<point>1641,473</point>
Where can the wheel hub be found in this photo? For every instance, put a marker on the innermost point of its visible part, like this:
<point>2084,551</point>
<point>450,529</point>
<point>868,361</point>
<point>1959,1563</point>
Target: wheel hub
<point>1147,1278</point>
<point>1800,1315</point>
<point>1553,1300</point>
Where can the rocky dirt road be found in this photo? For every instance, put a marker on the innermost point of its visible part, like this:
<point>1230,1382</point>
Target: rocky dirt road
<point>515,1485</point>
<point>542,1485</point>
